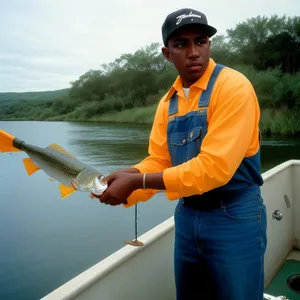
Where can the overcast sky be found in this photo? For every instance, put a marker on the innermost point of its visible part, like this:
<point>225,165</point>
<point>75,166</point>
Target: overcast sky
<point>45,44</point>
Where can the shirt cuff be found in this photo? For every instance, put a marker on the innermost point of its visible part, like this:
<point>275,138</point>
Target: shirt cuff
<point>141,167</point>
<point>139,196</point>
<point>171,182</point>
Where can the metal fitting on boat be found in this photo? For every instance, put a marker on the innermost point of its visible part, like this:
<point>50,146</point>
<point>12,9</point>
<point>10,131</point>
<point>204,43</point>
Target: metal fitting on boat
<point>277,215</point>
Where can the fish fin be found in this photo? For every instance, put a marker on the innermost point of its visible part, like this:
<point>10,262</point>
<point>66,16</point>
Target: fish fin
<point>6,142</point>
<point>61,150</point>
<point>30,166</point>
<point>65,190</point>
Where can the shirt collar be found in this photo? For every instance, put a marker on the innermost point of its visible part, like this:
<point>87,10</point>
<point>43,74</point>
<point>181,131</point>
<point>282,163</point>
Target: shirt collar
<point>201,83</point>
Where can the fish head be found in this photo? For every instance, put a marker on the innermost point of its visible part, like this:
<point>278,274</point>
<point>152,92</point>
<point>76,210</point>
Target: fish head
<point>90,180</point>
<point>99,186</point>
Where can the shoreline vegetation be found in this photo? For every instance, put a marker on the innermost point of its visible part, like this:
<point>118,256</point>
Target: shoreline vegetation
<point>127,90</point>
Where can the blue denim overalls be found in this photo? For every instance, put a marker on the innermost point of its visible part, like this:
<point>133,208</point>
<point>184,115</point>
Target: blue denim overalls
<point>218,252</point>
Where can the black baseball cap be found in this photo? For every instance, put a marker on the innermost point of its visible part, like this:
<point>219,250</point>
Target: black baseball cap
<point>183,17</point>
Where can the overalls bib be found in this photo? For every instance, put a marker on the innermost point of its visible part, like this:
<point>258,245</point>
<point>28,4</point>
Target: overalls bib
<point>185,133</point>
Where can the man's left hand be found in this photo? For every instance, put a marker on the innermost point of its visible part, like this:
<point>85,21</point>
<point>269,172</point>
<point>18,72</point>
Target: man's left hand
<point>120,187</point>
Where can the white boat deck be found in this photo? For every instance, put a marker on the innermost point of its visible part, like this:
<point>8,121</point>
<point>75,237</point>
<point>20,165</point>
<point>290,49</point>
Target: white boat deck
<point>295,254</point>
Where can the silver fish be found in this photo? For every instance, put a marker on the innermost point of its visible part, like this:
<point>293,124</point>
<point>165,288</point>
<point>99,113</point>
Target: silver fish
<point>59,164</point>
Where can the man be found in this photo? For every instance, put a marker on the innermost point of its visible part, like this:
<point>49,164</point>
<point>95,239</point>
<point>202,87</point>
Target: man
<point>204,151</point>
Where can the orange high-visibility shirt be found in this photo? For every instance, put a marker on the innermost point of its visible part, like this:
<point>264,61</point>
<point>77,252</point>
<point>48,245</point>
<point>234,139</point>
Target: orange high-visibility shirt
<point>233,134</point>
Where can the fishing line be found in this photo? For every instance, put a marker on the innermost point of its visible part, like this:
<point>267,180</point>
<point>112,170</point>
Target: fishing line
<point>135,242</point>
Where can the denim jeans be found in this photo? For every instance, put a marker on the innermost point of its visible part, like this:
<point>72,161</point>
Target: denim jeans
<point>219,253</point>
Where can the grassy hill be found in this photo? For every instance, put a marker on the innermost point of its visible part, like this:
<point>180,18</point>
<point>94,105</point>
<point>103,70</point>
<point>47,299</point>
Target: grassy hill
<point>46,95</point>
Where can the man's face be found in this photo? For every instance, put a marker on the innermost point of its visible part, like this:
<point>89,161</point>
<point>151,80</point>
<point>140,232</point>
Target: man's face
<point>189,50</point>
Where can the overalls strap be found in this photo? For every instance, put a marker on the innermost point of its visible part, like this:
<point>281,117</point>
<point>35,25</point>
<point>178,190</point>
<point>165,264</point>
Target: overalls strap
<point>205,96</point>
<point>173,105</point>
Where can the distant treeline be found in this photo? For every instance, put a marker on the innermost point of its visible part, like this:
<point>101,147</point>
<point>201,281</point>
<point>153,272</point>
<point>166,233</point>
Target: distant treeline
<point>47,95</point>
<point>266,50</point>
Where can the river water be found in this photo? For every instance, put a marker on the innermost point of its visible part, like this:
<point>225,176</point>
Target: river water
<point>46,241</point>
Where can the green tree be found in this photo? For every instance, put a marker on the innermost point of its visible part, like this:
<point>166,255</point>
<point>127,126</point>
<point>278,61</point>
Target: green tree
<point>268,42</point>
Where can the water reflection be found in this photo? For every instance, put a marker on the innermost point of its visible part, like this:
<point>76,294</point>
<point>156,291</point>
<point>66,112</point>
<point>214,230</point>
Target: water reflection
<point>112,145</point>
<point>278,149</point>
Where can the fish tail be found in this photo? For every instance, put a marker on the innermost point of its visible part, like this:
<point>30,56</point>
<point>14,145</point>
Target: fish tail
<point>7,142</point>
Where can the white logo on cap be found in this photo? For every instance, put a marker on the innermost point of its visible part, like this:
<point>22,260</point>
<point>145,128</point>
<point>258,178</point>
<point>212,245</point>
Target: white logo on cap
<point>190,15</point>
